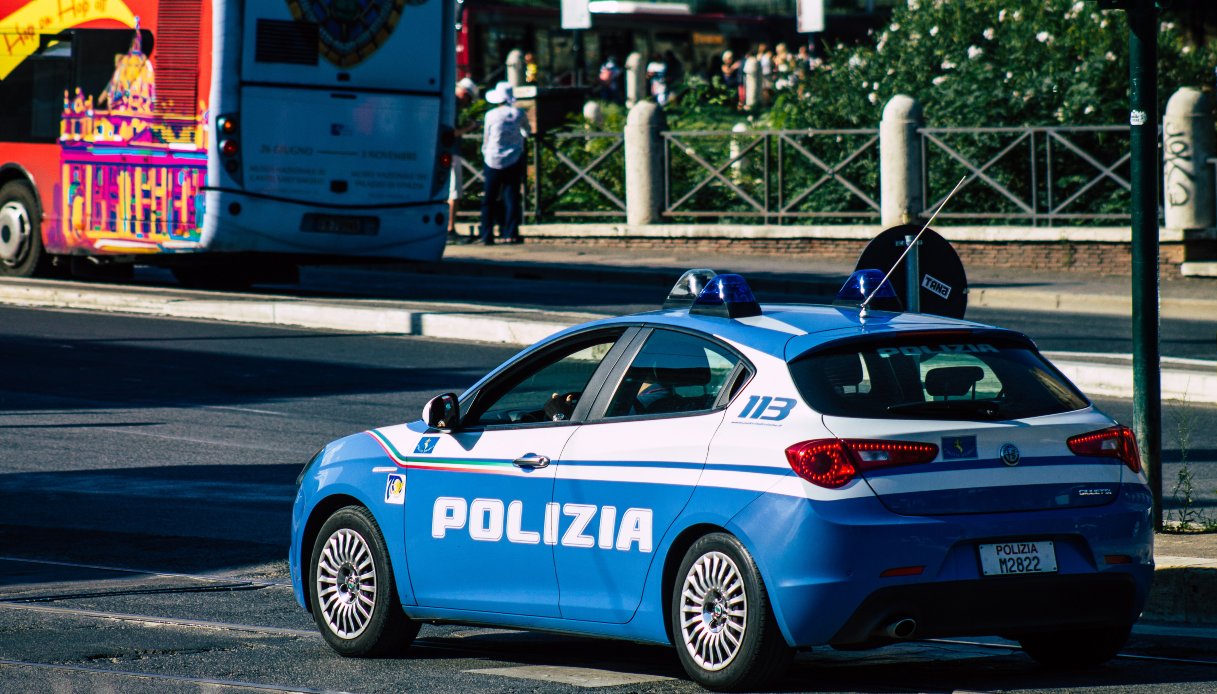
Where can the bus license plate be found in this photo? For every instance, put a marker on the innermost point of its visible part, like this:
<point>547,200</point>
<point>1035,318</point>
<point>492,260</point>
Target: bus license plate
<point>339,224</point>
<point>1009,558</point>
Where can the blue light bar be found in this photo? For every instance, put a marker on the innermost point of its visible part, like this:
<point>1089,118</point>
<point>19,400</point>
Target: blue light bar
<point>727,296</point>
<point>861,284</point>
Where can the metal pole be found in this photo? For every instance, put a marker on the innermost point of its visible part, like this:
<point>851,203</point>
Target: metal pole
<point>912,270</point>
<point>1143,117</point>
<point>580,61</point>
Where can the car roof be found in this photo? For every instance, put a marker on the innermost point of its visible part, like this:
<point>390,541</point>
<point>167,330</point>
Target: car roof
<point>786,330</point>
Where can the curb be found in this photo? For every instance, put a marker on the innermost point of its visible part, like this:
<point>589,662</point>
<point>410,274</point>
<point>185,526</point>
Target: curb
<point>1106,374</point>
<point>1183,591</point>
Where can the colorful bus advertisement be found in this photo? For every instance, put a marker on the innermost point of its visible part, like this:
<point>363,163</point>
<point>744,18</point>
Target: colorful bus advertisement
<point>162,127</point>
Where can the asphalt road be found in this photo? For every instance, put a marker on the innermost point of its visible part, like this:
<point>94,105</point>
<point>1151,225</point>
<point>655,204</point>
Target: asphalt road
<point>146,476</point>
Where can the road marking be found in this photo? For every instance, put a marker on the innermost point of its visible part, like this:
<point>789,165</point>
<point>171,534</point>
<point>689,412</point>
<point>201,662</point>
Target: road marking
<point>161,621</point>
<point>187,439</point>
<point>148,572</point>
<point>246,409</point>
<point>575,676</point>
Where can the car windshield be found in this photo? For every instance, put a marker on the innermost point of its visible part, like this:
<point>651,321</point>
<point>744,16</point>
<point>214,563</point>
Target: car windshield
<point>927,376</point>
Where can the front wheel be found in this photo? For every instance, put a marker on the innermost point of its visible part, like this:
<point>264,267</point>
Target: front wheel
<point>353,597</point>
<point>21,252</point>
<point>722,624</point>
<point>1076,648</point>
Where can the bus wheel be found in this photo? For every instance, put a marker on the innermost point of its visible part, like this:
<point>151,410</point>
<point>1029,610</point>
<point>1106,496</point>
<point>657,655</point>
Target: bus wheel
<point>21,253</point>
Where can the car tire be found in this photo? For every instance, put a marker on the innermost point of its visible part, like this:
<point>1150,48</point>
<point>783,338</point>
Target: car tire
<point>351,588</point>
<point>21,251</point>
<point>721,621</point>
<point>1079,648</point>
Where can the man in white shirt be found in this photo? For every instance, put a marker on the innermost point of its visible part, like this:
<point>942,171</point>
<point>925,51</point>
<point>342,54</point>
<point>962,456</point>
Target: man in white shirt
<point>503,152</point>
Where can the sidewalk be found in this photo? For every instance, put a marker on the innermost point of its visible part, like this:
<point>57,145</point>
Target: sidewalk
<point>1185,591</point>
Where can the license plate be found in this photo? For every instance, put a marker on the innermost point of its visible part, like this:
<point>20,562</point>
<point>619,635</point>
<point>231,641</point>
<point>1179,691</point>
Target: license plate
<point>1012,558</point>
<point>338,224</point>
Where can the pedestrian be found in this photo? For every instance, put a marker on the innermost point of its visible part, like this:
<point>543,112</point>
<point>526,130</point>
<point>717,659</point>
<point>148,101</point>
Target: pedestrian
<point>657,77</point>
<point>532,73</point>
<point>730,71</point>
<point>503,152</point>
<point>466,94</point>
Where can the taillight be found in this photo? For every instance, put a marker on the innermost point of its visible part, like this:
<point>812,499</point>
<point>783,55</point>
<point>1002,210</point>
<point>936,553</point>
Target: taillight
<point>824,463</point>
<point>832,463</point>
<point>445,159</point>
<point>1116,442</point>
<point>228,135</point>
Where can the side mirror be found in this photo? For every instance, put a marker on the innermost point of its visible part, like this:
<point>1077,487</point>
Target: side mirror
<point>443,412</point>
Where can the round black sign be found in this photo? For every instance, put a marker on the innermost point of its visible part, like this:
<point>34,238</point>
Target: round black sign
<point>943,283</point>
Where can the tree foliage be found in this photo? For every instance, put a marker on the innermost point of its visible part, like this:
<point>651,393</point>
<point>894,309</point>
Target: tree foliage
<point>980,63</point>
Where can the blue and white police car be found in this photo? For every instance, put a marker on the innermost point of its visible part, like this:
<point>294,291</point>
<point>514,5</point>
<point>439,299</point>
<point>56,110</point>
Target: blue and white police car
<point>740,481</point>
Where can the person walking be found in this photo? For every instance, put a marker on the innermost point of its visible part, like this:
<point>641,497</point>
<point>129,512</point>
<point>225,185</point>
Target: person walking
<point>466,93</point>
<point>503,153</point>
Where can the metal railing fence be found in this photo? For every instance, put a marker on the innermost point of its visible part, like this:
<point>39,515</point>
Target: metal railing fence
<point>1031,174</point>
<point>570,175</point>
<point>772,175</point>
<point>1017,175</point>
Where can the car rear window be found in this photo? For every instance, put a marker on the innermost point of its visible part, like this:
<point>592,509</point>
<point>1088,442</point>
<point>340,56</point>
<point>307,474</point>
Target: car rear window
<point>927,376</point>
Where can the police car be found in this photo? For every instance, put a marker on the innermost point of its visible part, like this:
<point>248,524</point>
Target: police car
<point>739,482</point>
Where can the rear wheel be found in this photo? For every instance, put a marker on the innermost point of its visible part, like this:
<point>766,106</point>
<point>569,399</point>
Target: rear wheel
<point>21,252</point>
<point>354,600</point>
<point>1077,648</point>
<point>722,624</point>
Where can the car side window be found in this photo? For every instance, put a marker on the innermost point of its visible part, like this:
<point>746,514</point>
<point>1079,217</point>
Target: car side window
<point>673,373</point>
<point>547,391</point>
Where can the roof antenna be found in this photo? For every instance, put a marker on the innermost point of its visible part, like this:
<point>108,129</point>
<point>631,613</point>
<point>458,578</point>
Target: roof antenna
<point>862,309</point>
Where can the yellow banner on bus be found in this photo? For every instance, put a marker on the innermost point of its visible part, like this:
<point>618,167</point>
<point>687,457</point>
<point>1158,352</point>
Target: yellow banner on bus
<point>20,28</point>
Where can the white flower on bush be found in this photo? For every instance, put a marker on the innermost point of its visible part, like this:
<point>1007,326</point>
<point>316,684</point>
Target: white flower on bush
<point>1001,16</point>
<point>895,26</point>
<point>914,5</point>
<point>989,33</point>
<point>1009,76</point>
<point>1088,110</point>
<point>1018,15</point>
<point>948,65</point>
<point>873,98</point>
<point>975,52</point>
<point>856,60</point>
<point>1073,12</point>
<point>934,30</point>
<point>939,80</point>
<point>1044,37</point>
<point>1111,57</point>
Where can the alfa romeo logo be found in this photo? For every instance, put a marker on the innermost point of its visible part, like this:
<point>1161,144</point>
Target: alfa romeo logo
<point>351,30</point>
<point>1009,454</point>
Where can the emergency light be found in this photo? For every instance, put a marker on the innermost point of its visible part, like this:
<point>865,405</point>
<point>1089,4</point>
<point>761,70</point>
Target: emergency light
<point>726,296</point>
<point>868,283</point>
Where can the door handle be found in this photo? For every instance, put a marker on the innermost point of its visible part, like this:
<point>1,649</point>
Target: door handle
<point>531,461</point>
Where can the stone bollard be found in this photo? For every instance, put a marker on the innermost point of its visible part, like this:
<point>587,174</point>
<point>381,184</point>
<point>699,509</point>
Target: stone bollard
<point>593,114</point>
<point>1187,145</point>
<point>515,67</point>
<point>635,79</point>
<point>739,131</point>
<point>752,82</point>
<point>900,186</point>
<point>644,185</point>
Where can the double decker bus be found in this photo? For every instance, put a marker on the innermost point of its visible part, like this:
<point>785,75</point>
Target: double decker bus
<point>223,138</point>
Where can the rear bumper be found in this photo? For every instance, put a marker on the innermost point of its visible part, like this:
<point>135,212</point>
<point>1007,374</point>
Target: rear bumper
<point>995,606</point>
<point>824,569</point>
